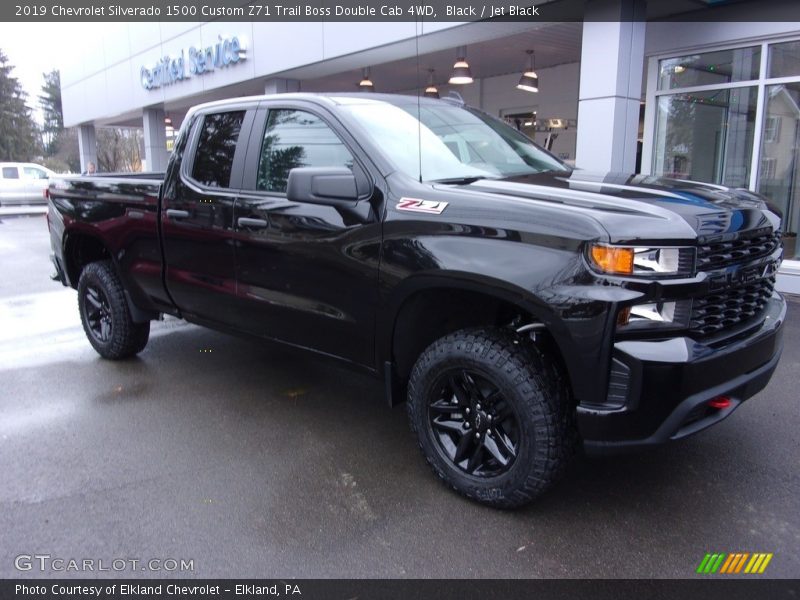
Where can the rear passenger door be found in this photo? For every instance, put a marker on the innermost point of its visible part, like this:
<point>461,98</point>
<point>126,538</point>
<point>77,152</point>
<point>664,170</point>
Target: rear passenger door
<point>197,215</point>
<point>35,183</point>
<point>307,274</point>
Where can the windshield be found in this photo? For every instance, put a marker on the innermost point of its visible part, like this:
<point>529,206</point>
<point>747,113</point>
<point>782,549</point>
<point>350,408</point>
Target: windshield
<point>457,143</point>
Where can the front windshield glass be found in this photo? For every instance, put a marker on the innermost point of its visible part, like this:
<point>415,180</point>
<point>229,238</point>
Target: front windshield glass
<point>457,143</point>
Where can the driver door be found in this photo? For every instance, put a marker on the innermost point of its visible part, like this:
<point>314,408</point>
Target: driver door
<point>307,274</point>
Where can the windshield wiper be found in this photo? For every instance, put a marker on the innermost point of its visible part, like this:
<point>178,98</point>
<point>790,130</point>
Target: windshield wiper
<point>461,180</point>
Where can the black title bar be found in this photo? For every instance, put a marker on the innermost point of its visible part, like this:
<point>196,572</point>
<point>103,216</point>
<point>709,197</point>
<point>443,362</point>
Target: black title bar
<point>397,589</point>
<point>397,10</point>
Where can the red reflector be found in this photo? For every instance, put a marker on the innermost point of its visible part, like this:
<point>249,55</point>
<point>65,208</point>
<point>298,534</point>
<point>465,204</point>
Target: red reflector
<point>720,402</point>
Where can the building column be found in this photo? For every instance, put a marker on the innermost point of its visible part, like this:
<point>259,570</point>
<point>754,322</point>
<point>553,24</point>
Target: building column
<point>280,85</point>
<point>612,59</point>
<point>155,140</point>
<point>87,146</point>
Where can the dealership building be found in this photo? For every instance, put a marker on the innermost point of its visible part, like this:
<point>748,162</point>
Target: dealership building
<point>715,101</point>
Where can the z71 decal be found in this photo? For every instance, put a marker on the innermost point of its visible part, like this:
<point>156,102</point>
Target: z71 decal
<point>424,206</point>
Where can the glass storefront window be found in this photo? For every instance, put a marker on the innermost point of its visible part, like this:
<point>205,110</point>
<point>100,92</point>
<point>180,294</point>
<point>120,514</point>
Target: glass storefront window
<point>784,59</point>
<point>710,68</point>
<point>779,163</point>
<point>706,136</point>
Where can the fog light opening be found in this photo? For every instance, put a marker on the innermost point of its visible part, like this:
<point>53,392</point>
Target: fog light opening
<point>720,402</point>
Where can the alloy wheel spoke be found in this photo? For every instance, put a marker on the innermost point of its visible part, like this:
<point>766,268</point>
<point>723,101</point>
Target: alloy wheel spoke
<point>444,407</point>
<point>447,425</point>
<point>463,447</point>
<point>493,398</point>
<point>461,394</point>
<point>475,459</point>
<point>504,442</point>
<point>471,387</point>
<point>502,410</point>
<point>94,298</point>
<point>500,455</point>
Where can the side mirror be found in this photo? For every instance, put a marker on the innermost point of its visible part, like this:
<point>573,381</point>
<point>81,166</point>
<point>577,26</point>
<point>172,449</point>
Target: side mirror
<point>331,186</point>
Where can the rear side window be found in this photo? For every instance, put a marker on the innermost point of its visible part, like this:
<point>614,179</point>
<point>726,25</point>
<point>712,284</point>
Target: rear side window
<point>296,138</point>
<point>34,173</point>
<point>215,148</point>
<point>10,173</point>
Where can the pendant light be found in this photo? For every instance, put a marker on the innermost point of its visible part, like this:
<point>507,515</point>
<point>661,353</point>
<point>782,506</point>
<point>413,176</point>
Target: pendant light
<point>529,81</point>
<point>461,74</point>
<point>366,85</point>
<point>431,91</point>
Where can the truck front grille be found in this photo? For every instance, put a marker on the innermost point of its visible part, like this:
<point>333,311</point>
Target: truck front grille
<point>743,249</point>
<point>726,308</point>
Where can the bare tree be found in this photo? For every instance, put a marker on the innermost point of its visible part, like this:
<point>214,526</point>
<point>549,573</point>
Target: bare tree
<point>118,150</point>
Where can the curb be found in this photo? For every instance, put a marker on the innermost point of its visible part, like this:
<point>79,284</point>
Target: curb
<point>22,211</point>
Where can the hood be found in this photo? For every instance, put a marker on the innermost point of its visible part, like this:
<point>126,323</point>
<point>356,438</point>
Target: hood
<point>641,207</point>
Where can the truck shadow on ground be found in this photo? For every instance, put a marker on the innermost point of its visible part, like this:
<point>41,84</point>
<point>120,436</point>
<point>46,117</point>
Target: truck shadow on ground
<point>341,412</point>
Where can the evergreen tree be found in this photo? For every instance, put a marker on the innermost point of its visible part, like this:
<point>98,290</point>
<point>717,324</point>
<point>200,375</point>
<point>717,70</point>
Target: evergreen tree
<point>50,101</point>
<point>18,132</point>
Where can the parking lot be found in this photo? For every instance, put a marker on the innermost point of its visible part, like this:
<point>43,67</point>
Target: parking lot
<point>254,461</point>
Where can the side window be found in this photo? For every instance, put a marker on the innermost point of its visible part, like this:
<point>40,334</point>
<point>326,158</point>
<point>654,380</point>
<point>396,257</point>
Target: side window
<point>215,148</point>
<point>10,173</point>
<point>296,138</point>
<point>34,173</point>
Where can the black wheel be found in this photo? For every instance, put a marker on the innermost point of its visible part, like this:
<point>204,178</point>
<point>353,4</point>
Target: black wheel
<point>105,315</point>
<point>489,412</point>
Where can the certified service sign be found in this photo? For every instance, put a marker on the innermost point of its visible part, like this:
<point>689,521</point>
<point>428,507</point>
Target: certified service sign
<point>171,69</point>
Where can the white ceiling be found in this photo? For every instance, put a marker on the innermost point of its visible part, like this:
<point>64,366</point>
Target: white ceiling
<point>555,44</point>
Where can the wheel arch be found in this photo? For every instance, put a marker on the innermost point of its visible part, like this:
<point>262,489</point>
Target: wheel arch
<point>81,249</point>
<point>430,307</point>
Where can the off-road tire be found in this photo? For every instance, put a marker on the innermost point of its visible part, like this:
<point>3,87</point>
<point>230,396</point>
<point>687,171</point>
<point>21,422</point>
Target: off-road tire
<point>530,382</point>
<point>99,280</point>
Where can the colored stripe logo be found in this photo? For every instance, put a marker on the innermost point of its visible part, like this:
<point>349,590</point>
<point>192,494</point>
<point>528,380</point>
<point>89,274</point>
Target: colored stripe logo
<point>734,563</point>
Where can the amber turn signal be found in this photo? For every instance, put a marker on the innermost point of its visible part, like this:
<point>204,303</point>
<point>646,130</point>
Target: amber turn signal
<point>610,259</point>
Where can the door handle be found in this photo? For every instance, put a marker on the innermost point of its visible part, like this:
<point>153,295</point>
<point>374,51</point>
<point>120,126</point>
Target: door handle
<point>177,214</point>
<point>247,222</point>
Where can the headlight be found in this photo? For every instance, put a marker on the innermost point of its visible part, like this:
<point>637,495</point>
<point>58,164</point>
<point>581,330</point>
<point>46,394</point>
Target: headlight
<point>669,315</point>
<point>646,261</point>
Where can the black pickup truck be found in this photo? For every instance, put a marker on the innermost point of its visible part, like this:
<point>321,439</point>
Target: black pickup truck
<point>519,307</point>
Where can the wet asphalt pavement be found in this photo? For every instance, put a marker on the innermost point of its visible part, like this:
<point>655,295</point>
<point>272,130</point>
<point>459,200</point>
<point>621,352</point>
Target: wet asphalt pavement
<point>253,461</point>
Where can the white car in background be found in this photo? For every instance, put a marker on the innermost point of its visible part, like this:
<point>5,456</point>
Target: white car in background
<point>23,183</point>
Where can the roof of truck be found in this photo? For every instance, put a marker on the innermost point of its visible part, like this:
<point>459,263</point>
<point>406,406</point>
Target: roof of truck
<point>331,99</point>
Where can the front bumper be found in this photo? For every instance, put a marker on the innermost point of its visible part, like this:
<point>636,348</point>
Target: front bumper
<point>664,386</point>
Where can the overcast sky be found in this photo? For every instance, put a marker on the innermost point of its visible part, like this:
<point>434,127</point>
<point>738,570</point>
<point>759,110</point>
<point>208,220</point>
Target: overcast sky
<point>37,48</point>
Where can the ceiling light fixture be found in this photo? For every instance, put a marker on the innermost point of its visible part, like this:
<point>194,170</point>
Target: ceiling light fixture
<point>529,81</point>
<point>366,84</point>
<point>461,73</point>
<point>431,91</point>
